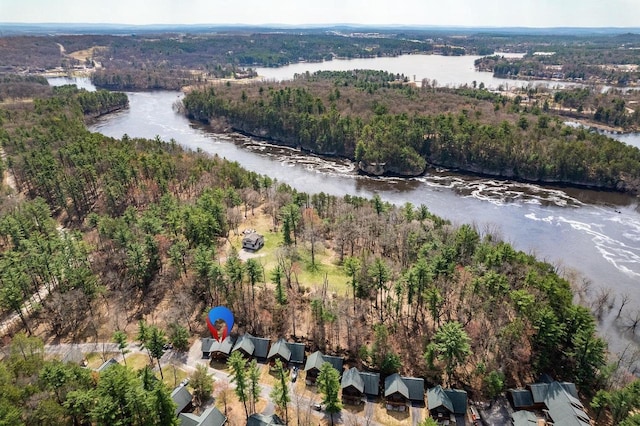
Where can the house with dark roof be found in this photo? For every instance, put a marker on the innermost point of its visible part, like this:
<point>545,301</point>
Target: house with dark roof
<point>297,352</point>
<point>279,350</point>
<point>357,385</point>
<point>108,363</point>
<point>352,387</point>
<point>209,417</point>
<point>314,363</point>
<point>557,400</point>
<point>371,383</point>
<point>182,397</point>
<point>262,420</point>
<point>520,399</point>
<point>400,391</point>
<point>261,346</point>
<point>245,345</point>
<point>447,406</point>
<point>252,346</point>
<point>252,241</point>
<point>215,349</point>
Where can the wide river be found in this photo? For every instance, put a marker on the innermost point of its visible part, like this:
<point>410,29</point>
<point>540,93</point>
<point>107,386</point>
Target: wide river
<point>594,233</point>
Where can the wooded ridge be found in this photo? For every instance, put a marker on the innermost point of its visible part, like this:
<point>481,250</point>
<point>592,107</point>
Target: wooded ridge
<point>391,127</point>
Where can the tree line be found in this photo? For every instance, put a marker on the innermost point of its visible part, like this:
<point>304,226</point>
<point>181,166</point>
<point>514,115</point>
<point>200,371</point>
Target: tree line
<point>378,122</point>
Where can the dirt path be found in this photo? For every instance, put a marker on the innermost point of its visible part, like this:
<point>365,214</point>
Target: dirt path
<point>8,179</point>
<point>13,322</point>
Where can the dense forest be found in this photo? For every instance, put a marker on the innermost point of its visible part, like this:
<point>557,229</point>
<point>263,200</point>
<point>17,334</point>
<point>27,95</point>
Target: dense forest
<point>391,127</point>
<point>146,222</point>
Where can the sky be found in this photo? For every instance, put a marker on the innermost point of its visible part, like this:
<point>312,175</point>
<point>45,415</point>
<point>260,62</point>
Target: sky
<point>471,13</point>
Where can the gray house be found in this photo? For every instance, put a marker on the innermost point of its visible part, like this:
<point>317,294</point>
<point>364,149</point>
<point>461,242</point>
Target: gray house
<point>253,241</point>
<point>209,417</point>
<point>357,385</point>
<point>252,346</point>
<point>213,348</point>
<point>558,400</point>
<point>182,397</point>
<point>447,406</point>
<point>399,392</point>
<point>314,363</point>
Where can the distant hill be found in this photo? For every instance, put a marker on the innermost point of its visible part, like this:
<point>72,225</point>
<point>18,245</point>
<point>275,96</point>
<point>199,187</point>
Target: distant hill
<point>10,28</point>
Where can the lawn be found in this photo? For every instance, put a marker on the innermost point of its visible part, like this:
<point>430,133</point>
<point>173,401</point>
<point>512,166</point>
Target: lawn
<point>172,375</point>
<point>137,361</point>
<point>96,359</point>
<point>308,275</point>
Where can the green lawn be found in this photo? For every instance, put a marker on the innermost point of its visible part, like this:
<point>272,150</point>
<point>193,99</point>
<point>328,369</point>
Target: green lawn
<point>308,276</point>
<point>172,375</point>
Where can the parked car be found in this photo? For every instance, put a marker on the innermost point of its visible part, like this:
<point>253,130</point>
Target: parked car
<point>317,406</point>
<point>167,346</point>
<point>294,374</point>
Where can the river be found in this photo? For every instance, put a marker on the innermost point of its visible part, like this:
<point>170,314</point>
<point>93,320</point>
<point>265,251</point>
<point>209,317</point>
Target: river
<point>595,233</point>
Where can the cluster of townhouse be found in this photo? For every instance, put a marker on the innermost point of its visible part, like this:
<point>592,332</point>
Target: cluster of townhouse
<point>546,403</point>
<point>398,392</point>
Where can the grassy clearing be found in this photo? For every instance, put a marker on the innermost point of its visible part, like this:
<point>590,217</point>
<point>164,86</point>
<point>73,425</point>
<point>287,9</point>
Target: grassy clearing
<point>137,361</point>
<point>308,276</point>
<point>172,375</point>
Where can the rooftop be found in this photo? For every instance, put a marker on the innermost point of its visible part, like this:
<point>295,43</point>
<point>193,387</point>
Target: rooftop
<point>210,417</point>
<point>181,397</point>
<point>281,349</point>
<point>351,377</point>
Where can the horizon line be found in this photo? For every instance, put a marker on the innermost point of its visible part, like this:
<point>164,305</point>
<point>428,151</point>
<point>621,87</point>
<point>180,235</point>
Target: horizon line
<point>320,25</point>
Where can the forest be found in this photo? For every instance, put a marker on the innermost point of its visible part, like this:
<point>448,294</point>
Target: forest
<point>134,230</point>
<point>394,128</point>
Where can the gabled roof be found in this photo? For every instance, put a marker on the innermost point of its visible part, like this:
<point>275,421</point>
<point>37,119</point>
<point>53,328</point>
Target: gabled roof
<point>371,383</point>
<point>245,342</point>
<point>297,352</point>
<point>181,397</point>
<point>280,348</point>
<point>214,345</point>
<point>521,398</point>
<point>524,418</point>
<point>563,408</point>
<point>262,420</point>
<point>210,417</point>
<point>335,361</point>
<point>458,398</point>
<point>315,360</point>
<point>538,392</point>
<point>415,385</point>
<point>251,238</point>
<point>454,400</point>
<point>395,384</point>
<point>436,397</point>
<point>351,377</point>
<point>261,346</point>
<point>108,363</point>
